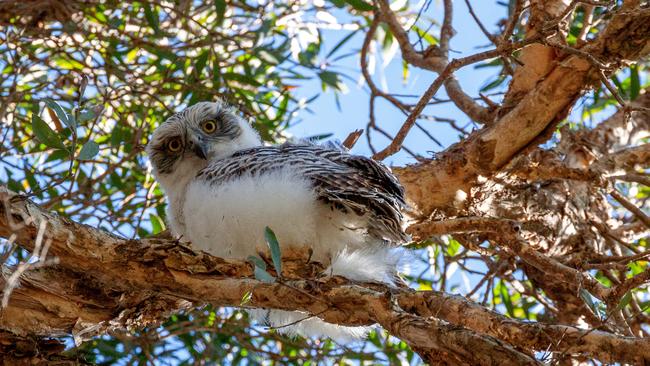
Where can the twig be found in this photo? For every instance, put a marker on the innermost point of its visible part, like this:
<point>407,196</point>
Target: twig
<point>611,88</point>
<point>397,142</point>
<point>619,291</point>
<point>352,139</point>
<point>489,35</point>
<point>446,31</point>
<point>586,24</point>
<point>435,59</point>
<point>630,207</point>
<point>454,65</point>
<point>366,74</point>
<point>506,235</point>
<point>512,22</point>
<point>636,178</point>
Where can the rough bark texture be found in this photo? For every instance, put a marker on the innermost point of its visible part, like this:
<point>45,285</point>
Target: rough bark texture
<point>105,283</point>
<point>444,183</point>
<point>545,211</point>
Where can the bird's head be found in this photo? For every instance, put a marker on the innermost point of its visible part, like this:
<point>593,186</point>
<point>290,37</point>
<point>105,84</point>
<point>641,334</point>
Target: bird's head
<point>185,143</point>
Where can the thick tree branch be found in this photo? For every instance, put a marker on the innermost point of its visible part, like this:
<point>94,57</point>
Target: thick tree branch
<point>455,171</point>
<point>154,275</point>
<point>105,283</point>
<point>456,309</point>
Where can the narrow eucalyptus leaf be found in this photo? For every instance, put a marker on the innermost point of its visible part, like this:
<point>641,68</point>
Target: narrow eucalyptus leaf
<point>82,86</point>
<point>151,14</point>
<point>88,151</point>
<point>220,7</point>
<point>360,5</point>
<point>274,246</point>
<point>246,298</point>
<point>60,112</point>
<point>45,134</point>
<point>257,262</point>
<point>625,300</point>
<point>264,276</point>
<point>589,301</point>
<point>86,115</point>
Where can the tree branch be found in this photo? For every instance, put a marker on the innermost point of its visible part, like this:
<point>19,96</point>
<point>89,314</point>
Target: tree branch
<point>105,283</point>
<point>531,121</point>
<point>434,59</point>
<point>506,234</point>
<point>154,275</point>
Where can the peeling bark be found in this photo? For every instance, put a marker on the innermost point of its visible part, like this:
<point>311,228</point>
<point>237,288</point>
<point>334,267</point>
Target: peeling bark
<point>444,183</point>
<point>107,283</point>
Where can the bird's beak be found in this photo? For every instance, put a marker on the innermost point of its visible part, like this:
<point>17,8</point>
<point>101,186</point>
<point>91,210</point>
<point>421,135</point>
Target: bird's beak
<point>200,150</point>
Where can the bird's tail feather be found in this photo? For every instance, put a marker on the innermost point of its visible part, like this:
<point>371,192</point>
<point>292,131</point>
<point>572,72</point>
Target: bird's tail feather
<point>377,264</point>
<point>296,323</point>
<point>370,264</point>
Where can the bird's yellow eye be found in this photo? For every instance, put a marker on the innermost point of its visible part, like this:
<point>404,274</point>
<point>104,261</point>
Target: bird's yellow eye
<point>174,145</point>
<point>209,126</point>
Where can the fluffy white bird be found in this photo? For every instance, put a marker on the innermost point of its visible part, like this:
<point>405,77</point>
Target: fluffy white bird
<point>224,187</point>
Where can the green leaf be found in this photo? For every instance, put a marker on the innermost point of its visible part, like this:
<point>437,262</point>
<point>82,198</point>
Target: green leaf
<point>246,298</point>
<point>625,300</point>
<point>268,57</point>
<point>452,247</point>
<point>495,62</point>
<point>220,7</point>
<point>259,270</point>
<point>319,137</point>
<point>276,255</point>
<point>68,63</point>
<point>360,5</point>
<point>257,262</point>
<point>244,79</point>
<point>157,224</point>
<point>338,3</point>
<point>635,83</point>
<point>86,115</point>
<point>201,61</point>
<point>82,86</point>
<point>589,301</point>
<point>45,134</point>
<point>58,154</point>
<point>101,17</point>
<point>264,276</point>
<point>495,83</point>
<point>151,14</point>
<point>619,85</point>
<point>332,79</point>
<point>428,37</point>
<point>212,318</point>
<point>505,298</point>
<point>636,267</point>
<point>341,43</point>
<point>88,151</point>
<point>63,116</point>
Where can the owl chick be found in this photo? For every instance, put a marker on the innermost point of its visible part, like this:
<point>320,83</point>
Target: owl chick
<point>223,188</point>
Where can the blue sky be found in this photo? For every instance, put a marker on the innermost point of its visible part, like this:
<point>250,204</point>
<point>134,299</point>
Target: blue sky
<point>354,105</point>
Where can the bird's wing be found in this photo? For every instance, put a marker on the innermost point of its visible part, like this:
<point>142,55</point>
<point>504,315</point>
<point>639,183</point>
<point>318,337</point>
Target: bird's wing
<point>346,182</point>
